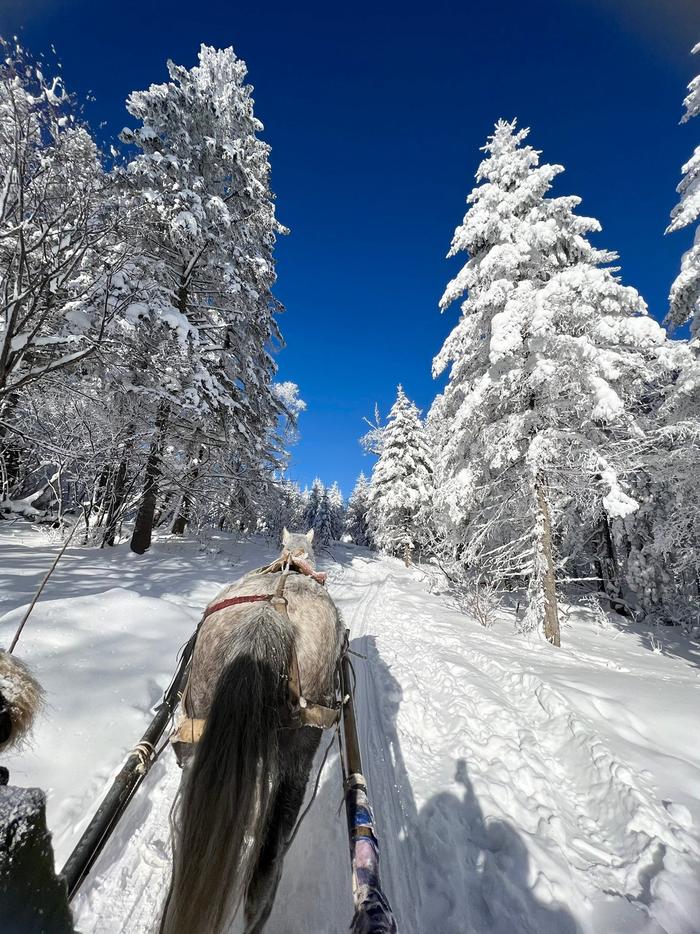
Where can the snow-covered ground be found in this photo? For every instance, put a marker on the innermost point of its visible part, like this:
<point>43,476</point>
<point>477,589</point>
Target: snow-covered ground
<point>517,788</point>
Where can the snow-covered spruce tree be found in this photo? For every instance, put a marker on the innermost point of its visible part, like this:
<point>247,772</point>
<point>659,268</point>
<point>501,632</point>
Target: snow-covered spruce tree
<point>400,486</point>
<point>64,295</point>
<point>323,520</point>
<point>235,488</point>
<point>371,441</point>
<point>207,215</point>
<point>283,508</point>
<point>684,299</point>
<point>337,504</point>
<point>356,516</point>
<point>275,503</point>
<point>659,544</point>
<point>313,499</point>
<point>58,257</point>
<point>547,363</point>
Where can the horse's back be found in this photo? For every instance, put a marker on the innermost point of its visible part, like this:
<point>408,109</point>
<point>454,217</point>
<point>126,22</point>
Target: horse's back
<point>312,614</point>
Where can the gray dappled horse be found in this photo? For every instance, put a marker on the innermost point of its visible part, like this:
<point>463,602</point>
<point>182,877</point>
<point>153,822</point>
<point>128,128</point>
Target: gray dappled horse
<point>245,785</point>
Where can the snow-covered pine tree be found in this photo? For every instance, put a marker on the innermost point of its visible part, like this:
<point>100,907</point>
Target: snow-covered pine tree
<point>313,501</point>
<point>337,504</point>
<point>208,225</point>
<point>252,493</point>
<point>183,404</point>
<point>401,480</point>
<point>547,362</point>
<point>323,520</point>
<point>356,516</point>
<point>64,296</point>
<point>283,508</point>
<point>57,255</point>
<point>659,544</point>
<point>684,298</point>
<point>371,441</point>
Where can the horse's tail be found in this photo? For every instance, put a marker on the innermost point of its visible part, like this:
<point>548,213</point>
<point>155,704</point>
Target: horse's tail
<point>224,806</point>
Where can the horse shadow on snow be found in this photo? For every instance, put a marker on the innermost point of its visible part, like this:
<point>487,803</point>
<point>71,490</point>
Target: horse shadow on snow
<point>445,868</point>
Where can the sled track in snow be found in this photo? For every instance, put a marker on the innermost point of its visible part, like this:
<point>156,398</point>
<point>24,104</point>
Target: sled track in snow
<point>572,798</point>
<point>125,888</point>
<point>365,616</point>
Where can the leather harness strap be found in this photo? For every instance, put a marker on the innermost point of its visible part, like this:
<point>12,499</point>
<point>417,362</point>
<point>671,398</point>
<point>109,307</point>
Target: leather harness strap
<point>286,563</point>
<point>299,712</point>
<point>235,601</point>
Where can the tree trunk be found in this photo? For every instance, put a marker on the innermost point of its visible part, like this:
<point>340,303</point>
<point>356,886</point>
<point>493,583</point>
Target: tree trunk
<point>183,514</point>
<point>551,612</point>
<point>143,526</point>
<point>165,510</point>
<point>610,573</point>
<point>227,512</point>
<point>599,572</point>
<point>117,499</point>
<point>10,451</point>
<point>102,494</point>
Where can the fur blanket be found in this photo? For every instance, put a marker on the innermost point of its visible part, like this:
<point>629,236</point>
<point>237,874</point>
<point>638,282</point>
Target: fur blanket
<point>21,698</point>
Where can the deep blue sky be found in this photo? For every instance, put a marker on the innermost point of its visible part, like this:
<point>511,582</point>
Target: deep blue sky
<point>376,112</point>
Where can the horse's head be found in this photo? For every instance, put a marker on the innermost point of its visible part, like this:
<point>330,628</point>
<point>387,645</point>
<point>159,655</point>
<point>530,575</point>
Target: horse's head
<point>300,545</point>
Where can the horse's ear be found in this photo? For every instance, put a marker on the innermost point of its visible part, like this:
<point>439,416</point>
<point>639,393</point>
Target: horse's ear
<point>310,536</point>
<point>285,536</point>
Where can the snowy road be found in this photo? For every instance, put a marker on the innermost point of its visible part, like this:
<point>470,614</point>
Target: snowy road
<point>517,788</point>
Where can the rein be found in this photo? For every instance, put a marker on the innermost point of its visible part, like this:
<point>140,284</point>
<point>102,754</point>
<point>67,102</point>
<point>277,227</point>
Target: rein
<point>292,561</point>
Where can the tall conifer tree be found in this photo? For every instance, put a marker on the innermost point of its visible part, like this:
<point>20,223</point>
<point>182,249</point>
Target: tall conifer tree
<point>684,299</point>
<point>549,357</point>
<point>400,486</point>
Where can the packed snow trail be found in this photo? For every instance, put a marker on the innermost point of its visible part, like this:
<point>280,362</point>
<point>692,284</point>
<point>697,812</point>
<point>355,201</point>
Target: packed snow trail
<point>517,788</point>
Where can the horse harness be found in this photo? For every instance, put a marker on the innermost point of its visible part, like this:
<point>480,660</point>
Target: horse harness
<point>296,711</point>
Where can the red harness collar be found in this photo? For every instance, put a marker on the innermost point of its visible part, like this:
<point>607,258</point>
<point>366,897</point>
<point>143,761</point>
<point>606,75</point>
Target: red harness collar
<point>234,601</point>
<point>296,563</point>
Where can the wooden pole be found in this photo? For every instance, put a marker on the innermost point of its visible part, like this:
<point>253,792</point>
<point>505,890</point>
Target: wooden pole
<point>43,584</point>
<point>130,776</point>
<point>373,913</point>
